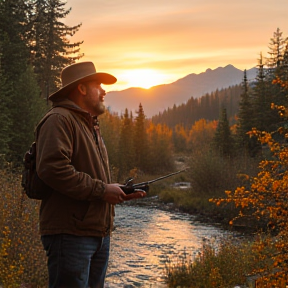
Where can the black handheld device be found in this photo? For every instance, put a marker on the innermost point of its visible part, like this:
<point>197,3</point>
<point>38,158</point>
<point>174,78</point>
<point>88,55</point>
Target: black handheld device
<point>129,187</point>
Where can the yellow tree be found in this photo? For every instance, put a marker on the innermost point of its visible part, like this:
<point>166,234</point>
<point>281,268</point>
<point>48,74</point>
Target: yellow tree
<point>180,138</point>
<point>201,134</point>
<point>161,150</point>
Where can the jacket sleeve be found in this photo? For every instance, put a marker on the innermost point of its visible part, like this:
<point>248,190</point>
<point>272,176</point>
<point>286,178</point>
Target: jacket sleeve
<point>54,153</point>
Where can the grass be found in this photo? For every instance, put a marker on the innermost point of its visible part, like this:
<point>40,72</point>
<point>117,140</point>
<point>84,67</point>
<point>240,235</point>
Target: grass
<point>22,258</point>
<point>221,265</point>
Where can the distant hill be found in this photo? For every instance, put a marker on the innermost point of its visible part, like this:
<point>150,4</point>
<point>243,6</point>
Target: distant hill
<point>160,97</point>
<point>207,107</point>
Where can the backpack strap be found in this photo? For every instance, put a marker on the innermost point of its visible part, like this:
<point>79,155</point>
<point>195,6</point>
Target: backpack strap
<point>32,185</point>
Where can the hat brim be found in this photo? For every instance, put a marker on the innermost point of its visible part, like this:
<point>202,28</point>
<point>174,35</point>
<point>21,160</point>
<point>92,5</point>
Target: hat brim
<point>101,77</point>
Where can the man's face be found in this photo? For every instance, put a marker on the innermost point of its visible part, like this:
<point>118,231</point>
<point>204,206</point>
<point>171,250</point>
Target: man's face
<point>94,98</point>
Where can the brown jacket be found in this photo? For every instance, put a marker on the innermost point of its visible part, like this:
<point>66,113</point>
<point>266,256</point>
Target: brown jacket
<point>72,160</point>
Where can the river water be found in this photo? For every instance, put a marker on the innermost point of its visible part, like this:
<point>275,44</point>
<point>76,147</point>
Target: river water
<point>145,238</point>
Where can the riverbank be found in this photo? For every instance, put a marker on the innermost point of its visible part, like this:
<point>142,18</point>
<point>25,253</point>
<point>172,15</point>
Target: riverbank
<point>154,202</point>
<point>245,226</point>
<point>147,240</point>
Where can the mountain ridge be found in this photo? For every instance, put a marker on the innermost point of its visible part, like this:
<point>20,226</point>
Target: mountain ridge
<point>160,97</point>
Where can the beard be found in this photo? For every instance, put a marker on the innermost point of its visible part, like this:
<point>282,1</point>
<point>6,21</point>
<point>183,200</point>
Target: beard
<point>100,108</point>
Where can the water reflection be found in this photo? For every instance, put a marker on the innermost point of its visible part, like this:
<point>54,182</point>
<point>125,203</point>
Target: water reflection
<point>143,240</point>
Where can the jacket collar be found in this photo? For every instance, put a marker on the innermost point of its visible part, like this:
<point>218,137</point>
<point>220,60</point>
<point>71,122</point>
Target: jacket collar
<point>66,103</point>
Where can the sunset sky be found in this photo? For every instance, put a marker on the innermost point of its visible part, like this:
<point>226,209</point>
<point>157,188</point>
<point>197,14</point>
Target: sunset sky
<point>149,42</point>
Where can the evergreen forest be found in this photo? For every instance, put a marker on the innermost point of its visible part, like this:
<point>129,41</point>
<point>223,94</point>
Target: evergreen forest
<point>34,47</point>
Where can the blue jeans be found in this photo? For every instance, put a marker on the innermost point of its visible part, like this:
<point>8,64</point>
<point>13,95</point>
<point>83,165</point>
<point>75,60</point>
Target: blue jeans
<point>76,261</point>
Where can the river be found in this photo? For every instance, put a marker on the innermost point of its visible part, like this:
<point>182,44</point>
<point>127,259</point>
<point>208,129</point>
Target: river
<point>145,238</point>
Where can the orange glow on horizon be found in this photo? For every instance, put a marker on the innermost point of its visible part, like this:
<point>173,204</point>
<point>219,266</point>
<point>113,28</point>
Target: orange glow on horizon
<point>143,78</point>
<point>150,43</point>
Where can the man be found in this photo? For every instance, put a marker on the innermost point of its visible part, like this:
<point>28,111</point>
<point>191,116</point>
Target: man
<point>76,218</point>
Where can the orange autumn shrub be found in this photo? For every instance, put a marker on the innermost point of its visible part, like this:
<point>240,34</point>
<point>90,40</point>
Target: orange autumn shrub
<point>22,259</point>
<point>266,197</point>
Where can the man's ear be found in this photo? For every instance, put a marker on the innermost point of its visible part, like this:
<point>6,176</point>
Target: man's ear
<point>82,88</point>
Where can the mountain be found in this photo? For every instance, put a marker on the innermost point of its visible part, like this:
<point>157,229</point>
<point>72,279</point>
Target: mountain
<point>160,97</point>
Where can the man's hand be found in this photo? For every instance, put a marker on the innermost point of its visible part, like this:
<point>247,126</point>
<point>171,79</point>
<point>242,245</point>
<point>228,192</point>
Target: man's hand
<point>114,194</point>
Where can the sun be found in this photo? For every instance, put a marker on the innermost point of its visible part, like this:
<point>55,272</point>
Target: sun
<point>144,78</point>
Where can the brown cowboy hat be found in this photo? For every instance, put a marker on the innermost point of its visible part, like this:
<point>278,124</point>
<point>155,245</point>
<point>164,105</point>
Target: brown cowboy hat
<point>73,74</point>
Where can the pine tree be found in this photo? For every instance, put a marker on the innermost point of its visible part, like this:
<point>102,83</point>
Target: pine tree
<point>13,27</point>
<point>49,43</point>
<point>14,59</point>
<point>245,114</point>
<point>126,154</point>
<point>281,97</point>
<point>264,117</point>
<point>274,63</point>
<point>284,76</point>
<point>276,47</point>
<point>26,113</point>
<point>20,22</point>
<point>110,125</point>
<point>140,141</point>
<point>223,141</point>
